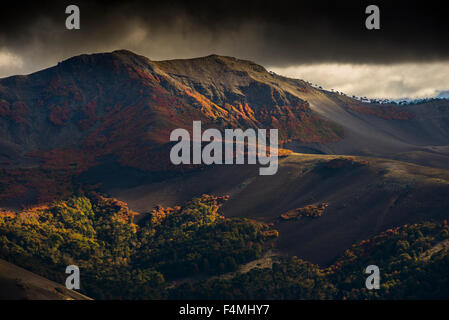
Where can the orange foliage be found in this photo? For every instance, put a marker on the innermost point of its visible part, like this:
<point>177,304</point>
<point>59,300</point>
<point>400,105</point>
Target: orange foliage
<point>158,214</point>
<point>284,152</point>
<point>6,213</point>
<point>35,184</point>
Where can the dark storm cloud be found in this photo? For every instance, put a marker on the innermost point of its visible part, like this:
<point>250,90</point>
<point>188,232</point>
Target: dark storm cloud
<point>274,33</point>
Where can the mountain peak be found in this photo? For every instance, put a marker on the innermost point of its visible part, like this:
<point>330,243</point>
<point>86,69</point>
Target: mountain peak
<point>124,52</point>
<point>213,67</point>
<point>117,57</point>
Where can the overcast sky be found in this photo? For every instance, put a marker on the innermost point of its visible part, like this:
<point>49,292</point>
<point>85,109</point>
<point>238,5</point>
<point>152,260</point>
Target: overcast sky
<point>326,43</point>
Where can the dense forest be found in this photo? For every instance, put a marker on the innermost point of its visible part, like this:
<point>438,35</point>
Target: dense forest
<point>127,255</point>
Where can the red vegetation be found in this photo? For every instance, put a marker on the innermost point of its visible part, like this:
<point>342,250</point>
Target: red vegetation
<point>18,111</point>
<point>34,185</point>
